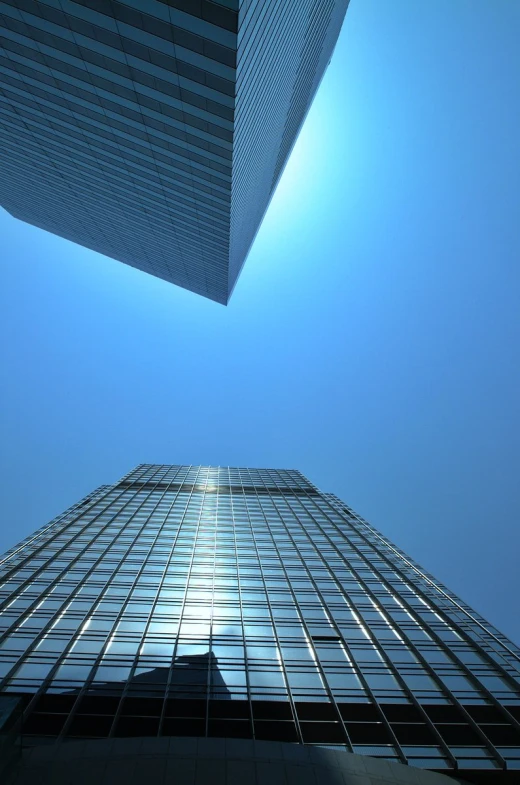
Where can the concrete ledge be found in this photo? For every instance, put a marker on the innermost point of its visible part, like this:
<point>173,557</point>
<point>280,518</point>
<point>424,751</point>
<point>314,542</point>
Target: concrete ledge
<point>206,761</point>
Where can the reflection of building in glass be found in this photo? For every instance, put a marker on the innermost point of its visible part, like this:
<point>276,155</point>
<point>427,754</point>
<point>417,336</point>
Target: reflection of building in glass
<point>246,603</point>
<point>189,676</point>
<point>155,131</point>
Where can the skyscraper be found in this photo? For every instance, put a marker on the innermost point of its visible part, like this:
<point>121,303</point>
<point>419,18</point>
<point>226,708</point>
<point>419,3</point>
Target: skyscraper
<point>246,604</point>
<point>155,131</point>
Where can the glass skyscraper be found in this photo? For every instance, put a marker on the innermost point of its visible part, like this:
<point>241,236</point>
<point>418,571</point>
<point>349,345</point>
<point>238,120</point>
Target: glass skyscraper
<point>155,131</point>
<point>233,603</point>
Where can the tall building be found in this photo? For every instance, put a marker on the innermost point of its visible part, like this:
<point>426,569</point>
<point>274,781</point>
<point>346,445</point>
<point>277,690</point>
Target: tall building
<point>228,603</point>
<point>155,131</point>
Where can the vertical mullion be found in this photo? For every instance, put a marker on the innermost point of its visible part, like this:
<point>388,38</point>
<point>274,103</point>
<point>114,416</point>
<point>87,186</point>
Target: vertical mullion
<point>429,670</point>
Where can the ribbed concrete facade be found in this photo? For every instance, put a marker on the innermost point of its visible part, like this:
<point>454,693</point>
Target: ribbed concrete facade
<point>155,132</point>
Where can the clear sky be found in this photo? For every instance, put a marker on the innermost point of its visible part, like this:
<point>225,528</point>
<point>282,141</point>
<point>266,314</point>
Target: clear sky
<point>372,339</point>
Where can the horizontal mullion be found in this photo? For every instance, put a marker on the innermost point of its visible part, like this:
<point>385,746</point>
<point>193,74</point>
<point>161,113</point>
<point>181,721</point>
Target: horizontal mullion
<point>213,201</point>
<point>154,218</point>
<point>102,132</point>
<point>115,121</point>
<point>37,80</point>
<point>101,155</point>
<point>197,211</point>
<point>56,60</point>
<point>77,31</point>
<point>88,61</point>
<point>98,162</point>
<point>100,177</point>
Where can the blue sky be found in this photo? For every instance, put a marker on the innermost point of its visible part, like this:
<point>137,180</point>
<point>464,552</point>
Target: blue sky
<point>372,339</point>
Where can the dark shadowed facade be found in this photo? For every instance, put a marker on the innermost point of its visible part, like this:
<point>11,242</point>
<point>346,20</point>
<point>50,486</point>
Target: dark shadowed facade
<point>246,604</point>
<point>155,131</point>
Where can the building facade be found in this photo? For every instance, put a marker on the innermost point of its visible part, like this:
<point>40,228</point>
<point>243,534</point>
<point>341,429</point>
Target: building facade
<point>245,603</point>
<point>155,131</point>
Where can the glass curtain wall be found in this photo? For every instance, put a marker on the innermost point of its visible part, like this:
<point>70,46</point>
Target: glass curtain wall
<point>246,603</point>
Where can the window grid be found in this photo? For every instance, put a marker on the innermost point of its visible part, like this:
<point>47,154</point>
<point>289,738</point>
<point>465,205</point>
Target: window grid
<point>244,602</point>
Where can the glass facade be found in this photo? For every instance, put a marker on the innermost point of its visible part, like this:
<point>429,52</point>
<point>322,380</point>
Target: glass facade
<point>155,131</point>
<point>230,602</point>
